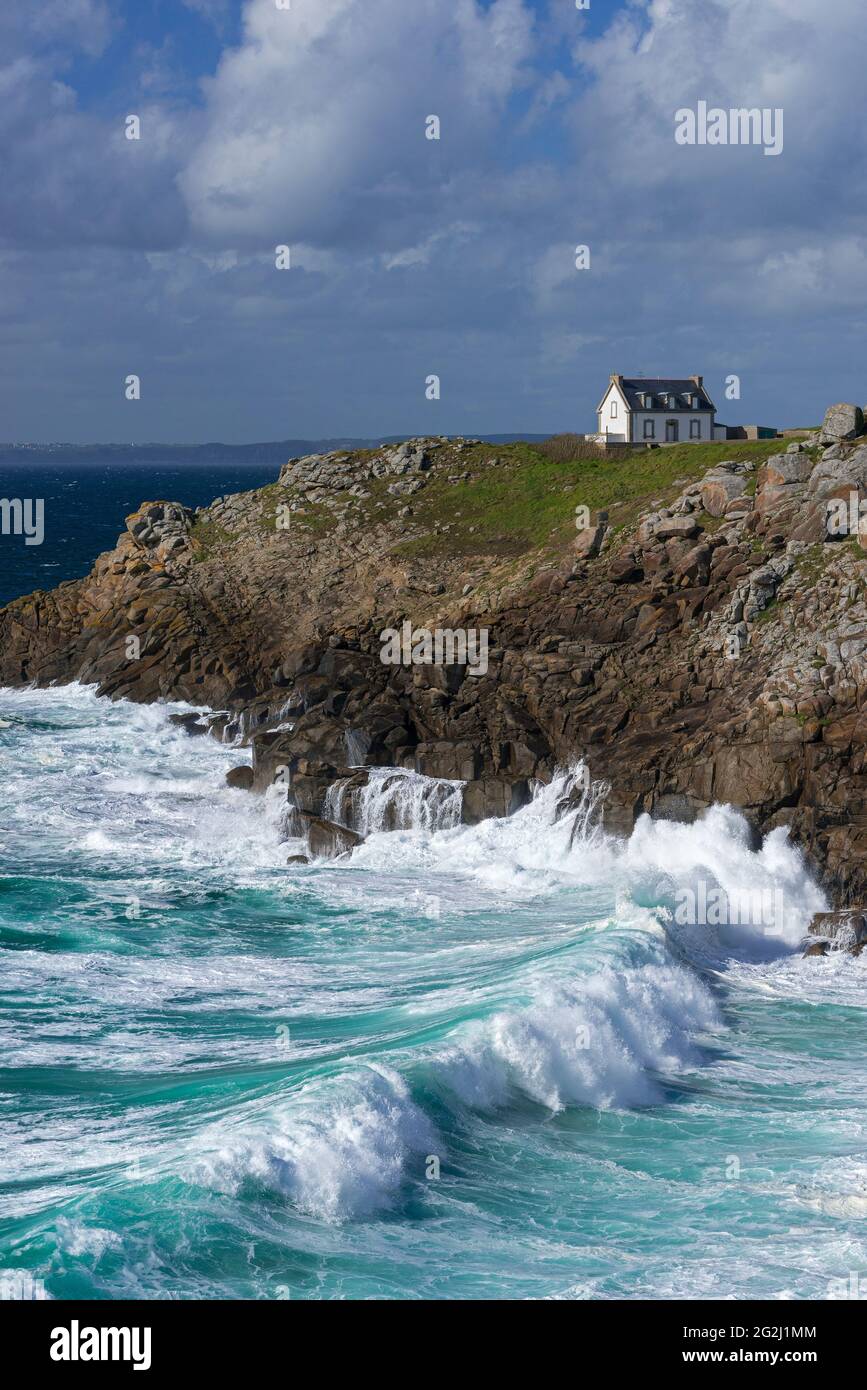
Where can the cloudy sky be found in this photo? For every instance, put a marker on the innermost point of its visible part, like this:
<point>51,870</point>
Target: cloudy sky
<point>263,126</point>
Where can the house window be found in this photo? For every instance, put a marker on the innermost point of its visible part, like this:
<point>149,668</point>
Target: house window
<point>649,429</point>
<point>695,429</point>
<point>614,409</point>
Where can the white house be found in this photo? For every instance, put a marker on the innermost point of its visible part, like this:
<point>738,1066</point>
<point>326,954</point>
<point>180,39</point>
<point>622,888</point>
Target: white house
<point>656,410</point>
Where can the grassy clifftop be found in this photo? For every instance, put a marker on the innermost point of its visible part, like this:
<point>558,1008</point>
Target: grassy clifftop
<point>519,498</point>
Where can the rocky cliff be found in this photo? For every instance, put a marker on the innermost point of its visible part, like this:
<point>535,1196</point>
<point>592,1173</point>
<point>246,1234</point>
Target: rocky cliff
<point>699,635</point>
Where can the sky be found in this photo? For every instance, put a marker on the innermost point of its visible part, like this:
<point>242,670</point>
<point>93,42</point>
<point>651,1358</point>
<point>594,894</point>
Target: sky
<point>262,126</point>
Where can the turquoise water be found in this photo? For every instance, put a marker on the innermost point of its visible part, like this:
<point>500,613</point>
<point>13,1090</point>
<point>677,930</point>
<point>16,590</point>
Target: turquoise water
<point>469,1063</point>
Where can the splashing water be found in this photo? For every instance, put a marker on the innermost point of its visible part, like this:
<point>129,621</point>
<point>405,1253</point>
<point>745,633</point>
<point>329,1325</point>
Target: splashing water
<point>394,799</point>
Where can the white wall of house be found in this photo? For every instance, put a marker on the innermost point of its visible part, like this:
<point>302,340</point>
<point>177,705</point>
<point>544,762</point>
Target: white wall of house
<point>614,416</point>
<point>700,419</point>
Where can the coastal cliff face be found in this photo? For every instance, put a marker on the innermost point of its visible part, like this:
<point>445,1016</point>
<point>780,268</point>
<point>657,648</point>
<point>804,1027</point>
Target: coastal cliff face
<point>699,636</point>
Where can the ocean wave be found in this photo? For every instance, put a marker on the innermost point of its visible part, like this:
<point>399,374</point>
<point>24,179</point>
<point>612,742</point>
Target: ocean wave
<point>604,1041</point>
<point>761,899</point>
<point>339,1157</point>
<point>342,1150</point>
<point>765,897</point>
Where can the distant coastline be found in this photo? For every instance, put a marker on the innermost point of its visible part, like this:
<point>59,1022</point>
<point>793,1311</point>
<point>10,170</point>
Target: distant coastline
<point>274,452</point>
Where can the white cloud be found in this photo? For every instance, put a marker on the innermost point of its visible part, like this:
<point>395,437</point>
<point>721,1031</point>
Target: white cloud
<point>316,124</point>
<point>667,54</point>
<point>815,277</point>
<point>82,24</point>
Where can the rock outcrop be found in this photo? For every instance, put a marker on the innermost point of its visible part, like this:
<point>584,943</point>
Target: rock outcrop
<point>841,422</point>
<point>837,931</point>
<point>707,642</point>
<point>325,838</point>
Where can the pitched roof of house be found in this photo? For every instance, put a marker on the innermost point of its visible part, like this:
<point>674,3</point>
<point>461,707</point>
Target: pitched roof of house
<point>634,388</point>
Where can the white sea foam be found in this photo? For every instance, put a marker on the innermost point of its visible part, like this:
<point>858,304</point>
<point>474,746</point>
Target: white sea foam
<point>838,1188</point>
<point>603,1040</point>
<point>120,786</point>
<point>530,852</point>
<point>665,858</point>
<point>337,1156</point>
<point>78,1239</point>
<point>557,841</point>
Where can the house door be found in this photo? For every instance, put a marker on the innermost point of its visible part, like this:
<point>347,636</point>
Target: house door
<point>671,431</point>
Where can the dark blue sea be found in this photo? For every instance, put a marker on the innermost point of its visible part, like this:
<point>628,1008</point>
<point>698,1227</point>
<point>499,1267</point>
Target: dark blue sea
<point>85,507</point>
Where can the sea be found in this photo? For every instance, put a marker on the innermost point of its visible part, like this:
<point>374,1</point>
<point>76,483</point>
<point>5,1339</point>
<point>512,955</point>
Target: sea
<point>473,1063</point>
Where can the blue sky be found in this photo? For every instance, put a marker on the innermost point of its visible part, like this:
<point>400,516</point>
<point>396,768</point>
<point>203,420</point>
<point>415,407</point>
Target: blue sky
<point>411,257</point>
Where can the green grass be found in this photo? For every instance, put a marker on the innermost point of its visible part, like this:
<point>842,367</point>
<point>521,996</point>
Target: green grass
<point>709,524</point>
<point>769,612</point>
<point>313,518</point>
<point>528,500</point>
<point>811,565</point>
<point>700,457</point>
<point>207,538</point>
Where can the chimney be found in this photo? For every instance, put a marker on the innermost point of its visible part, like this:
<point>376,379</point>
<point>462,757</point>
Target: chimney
<point>699,380</point>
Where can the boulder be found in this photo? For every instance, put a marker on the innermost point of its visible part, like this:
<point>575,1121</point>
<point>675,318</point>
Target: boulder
<point>784,468</point>
<point>625,569</point>
<point>831,473</point>
<point>589,542</point>
<point>190,723</point>
<point>163,527</point>
<point>719,489</point>
<point>842,421</point>
<point>844,930</point>
<point>676,527</point>
<point>325,838</point>
<point>694,568</point>
<point>241,778</point>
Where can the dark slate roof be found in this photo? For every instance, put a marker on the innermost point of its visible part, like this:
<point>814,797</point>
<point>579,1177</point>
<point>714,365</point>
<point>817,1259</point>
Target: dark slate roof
<point>634,387</point>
